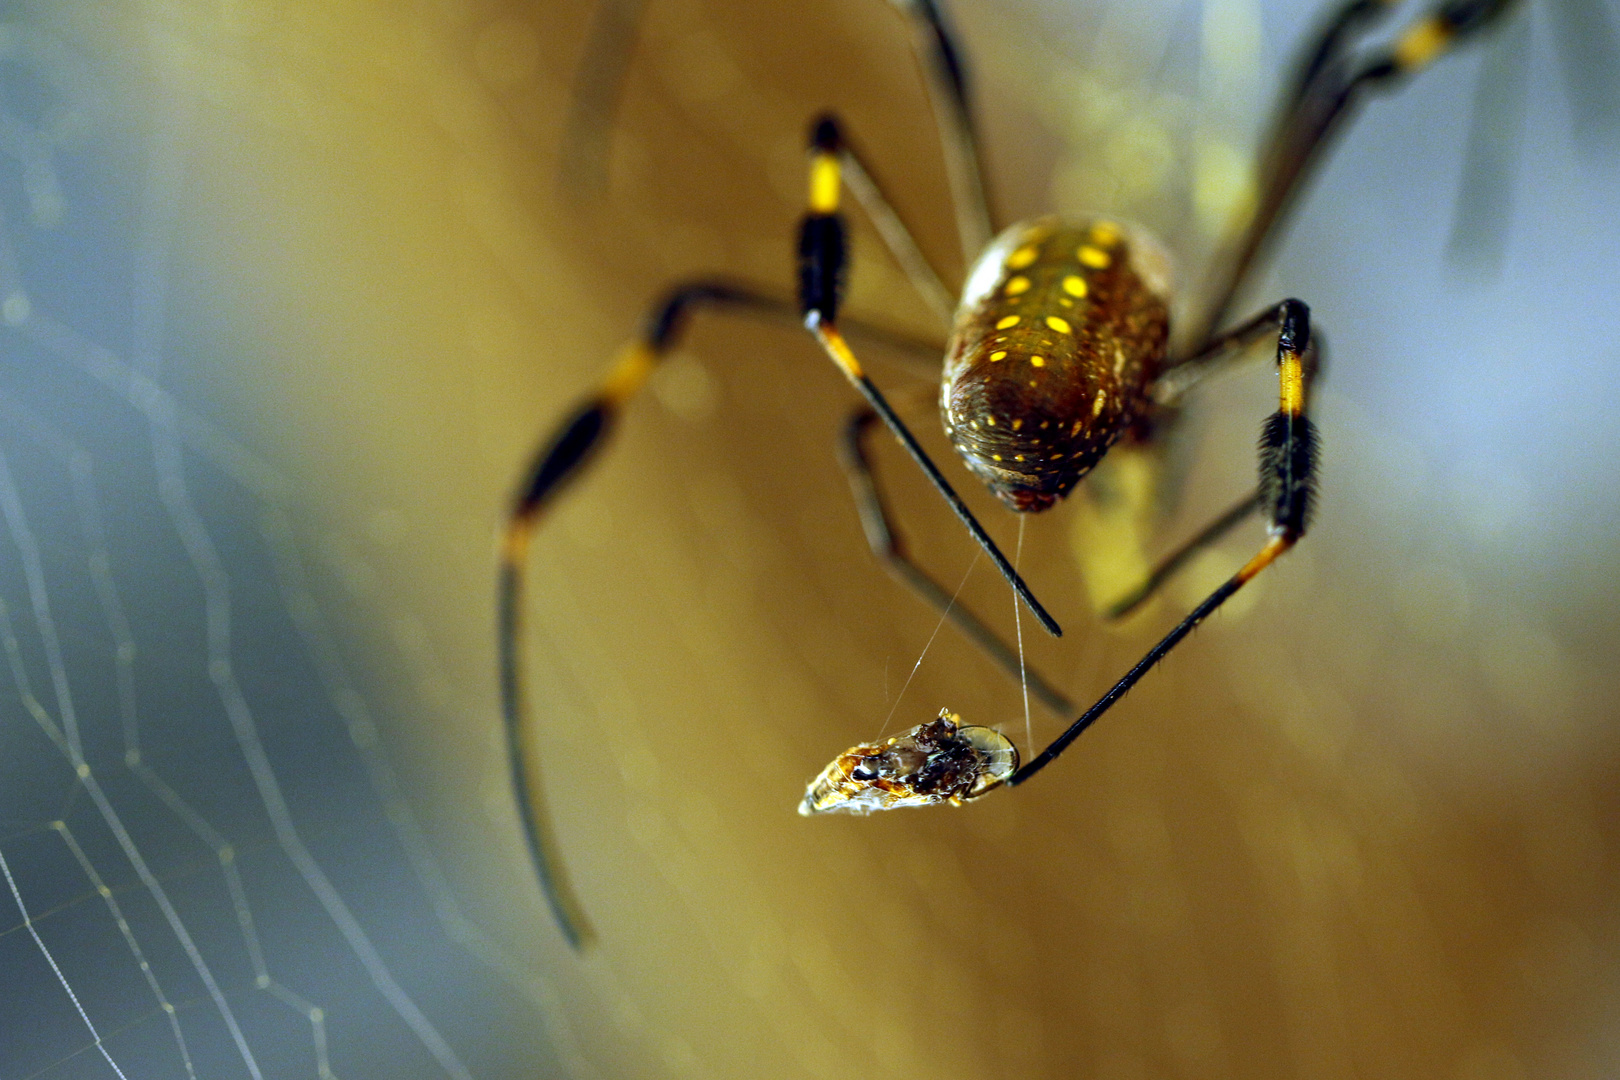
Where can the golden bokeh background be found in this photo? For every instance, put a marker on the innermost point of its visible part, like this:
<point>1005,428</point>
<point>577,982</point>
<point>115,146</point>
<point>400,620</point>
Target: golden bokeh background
<point>1361,824</point>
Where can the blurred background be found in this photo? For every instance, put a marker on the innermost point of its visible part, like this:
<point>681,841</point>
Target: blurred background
<point>290,291</point>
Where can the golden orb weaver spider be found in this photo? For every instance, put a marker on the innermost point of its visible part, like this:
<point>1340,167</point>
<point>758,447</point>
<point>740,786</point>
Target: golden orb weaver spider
<point>1061,347</point>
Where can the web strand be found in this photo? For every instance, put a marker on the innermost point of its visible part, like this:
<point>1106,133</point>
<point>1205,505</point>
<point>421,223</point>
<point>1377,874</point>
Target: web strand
<point>39,942</point>
<point>930,643</point>
<point>72,407</point>
<point>1018,627</point>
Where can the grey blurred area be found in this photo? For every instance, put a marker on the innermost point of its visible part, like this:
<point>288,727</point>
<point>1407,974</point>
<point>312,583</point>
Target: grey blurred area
<point>287,296</point>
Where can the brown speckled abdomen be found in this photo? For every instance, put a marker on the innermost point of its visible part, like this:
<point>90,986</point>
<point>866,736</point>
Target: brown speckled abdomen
<point>1061,329</point>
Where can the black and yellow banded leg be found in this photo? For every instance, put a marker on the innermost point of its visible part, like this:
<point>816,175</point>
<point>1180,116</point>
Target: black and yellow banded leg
<point>562,457</point>
<point>823,262</point>
<point>857,175</point>
<point>559,460</point>
<point>1287,488</point>
<point>1331,79</point>
<point>890,549</point>
<point>1169,391</point>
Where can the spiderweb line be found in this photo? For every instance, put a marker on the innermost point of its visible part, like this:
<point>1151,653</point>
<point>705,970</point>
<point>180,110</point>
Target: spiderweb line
<point>946,614</point>
<point>158,408</point>
<point>188,455</point>
<point>169,428</point>
<point>128,933</point>
<point>65,736</point>
<point>28,921</point>
<point>173,427</point>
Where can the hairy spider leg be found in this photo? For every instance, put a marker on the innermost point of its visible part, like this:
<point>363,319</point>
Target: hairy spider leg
<point>1287,490</point>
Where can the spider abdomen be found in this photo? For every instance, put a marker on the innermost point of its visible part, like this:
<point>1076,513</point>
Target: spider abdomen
<point>1060,333</point>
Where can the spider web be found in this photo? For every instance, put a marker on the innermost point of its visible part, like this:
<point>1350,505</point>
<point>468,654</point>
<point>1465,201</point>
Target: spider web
<point>211,859</point>
<point>210,867</point>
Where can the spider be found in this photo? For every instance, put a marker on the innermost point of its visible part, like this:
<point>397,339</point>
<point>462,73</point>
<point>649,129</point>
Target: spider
<point>1061,348</point>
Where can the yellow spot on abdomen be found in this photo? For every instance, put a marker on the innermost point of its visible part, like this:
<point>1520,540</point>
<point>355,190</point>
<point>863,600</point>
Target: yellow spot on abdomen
<point>1017,285</point>
<point>999,354</point>
<point>1009,321</point>
<point>1096,258</point>
<point>1021,258</point>
<point>1037,361</point>
<point>1074,285</point>
<point>1105,233</point>
<point>1060,325</point>
<point>1102,400</point>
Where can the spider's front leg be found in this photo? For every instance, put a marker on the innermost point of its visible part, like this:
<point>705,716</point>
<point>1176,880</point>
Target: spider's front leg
<point>1287,491</point>
<point>823,260</point>
<point>906,770</point>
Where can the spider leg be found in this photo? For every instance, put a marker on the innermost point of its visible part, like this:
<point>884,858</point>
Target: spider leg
<point>1330,81</point>
<point>890,549</point>
<point>1169,391</point>
<point>923,275</point>
<point>1210,534</point>
<point>946,77</point>
<point>1491,157</point>
<point>598,82</point>
<point>1588,45</point>
<point>561,459</point>
<point>822,264</point>
<point>604,63</point>
<point>1287,479</point>
<point>1333,42</point>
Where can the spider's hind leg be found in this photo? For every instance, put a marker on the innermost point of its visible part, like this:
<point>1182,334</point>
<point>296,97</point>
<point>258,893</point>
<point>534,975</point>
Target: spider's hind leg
<point>1332,77</point>
<point>1171,391</point>
<point>561,459</point>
